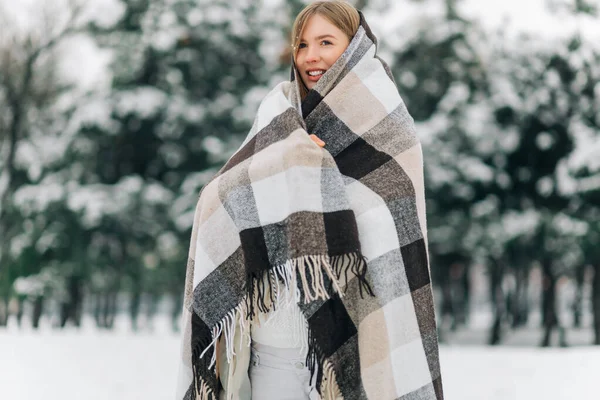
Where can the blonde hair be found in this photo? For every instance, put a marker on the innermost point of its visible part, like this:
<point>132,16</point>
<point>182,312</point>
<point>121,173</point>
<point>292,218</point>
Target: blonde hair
<point>341,14</point>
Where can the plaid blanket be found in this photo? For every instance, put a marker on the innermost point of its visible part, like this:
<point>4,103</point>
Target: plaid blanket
<point>343,226</point>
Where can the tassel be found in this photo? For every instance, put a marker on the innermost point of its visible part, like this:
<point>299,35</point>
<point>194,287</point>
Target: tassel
<point>360,270</point>
<point>264,292</point>
<point>300,277</point>
<point>322,372</point>
<point>201,389</point>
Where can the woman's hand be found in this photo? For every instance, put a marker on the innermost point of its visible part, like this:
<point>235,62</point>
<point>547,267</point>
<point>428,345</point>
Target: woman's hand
<point>318,141</point>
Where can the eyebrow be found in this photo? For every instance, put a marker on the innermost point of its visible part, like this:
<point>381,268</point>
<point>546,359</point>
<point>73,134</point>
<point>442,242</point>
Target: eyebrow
<point>322,37</point>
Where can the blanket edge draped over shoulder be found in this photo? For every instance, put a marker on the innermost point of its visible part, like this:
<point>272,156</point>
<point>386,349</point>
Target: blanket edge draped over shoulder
<point>342,227</point>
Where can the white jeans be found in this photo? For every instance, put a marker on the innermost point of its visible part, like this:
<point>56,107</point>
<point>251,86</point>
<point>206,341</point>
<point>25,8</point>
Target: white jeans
<point>279,374</point>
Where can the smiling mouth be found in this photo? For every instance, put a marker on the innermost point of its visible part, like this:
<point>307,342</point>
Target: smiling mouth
<point>315,75</point>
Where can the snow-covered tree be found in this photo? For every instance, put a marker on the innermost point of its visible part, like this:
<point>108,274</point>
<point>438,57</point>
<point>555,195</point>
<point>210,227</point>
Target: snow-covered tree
<point>35,105</point>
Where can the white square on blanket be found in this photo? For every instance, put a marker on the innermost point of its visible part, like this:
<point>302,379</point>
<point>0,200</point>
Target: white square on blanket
<point>294,190</point>
<point>401,321</point>
<point>274,104</point>
<point>362,199</point>
<point>409,367</point>
<point>203,265</point>
<point>377,232</point>
<point>378,83</point>
<point>219,225</point>
<point>343,102</point>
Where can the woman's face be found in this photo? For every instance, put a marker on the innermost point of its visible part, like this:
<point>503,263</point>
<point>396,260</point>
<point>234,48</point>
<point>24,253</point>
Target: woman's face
<point>321,44</point>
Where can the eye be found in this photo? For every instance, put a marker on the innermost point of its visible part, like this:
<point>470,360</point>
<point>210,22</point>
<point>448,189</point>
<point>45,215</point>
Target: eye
<point>302,45</point>
<point>325,43</point>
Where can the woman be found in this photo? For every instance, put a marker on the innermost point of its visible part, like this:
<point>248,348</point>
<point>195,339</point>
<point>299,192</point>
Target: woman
<point>308,274</point>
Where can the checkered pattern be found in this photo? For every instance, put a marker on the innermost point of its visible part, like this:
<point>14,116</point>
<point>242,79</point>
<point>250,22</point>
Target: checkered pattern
<point>281,200</point>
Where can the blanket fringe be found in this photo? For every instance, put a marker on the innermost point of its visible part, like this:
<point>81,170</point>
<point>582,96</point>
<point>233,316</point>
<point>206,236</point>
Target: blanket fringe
<point>305,278</point>
<point>201,389</point>
<point>322,372</point>
<point>329,386</point>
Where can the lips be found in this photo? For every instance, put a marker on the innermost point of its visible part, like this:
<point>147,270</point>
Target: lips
<point>314,75</point>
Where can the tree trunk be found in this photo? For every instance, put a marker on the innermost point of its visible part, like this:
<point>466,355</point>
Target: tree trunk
<point>20,308</point>
<point>5,289</point>
<point>361,4</point>
<point>134,307</point>
<point>98,299</point>
<point>497,298</point>
<point>455,295</point>
<point>550,319</point>
<point>548,302</point>
<point>136,293</point>
<point>71,309</point>
<point>596,303</point>
<point>153,301</point>
<point>176,311</point>
<point>14,128</point>
<point>454,290</point>
<point>109,311</point>
<point>447,308</point>
<point>520,306</point>
<point>38,310</point>
<point>451,9</point>
<point>3,312</point>
<point>465,292</point>
<point>577,306</point>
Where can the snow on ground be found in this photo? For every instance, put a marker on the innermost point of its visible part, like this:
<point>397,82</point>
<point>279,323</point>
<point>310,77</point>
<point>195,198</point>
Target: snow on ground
<point>120,365</point>
<point>100,366</point>
<point>508,373</point>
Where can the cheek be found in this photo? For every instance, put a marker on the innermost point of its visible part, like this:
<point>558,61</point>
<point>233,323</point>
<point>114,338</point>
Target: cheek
<point>333,57</point>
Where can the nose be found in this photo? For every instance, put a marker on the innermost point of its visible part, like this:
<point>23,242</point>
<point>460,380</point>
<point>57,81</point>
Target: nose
<point>312,54</point>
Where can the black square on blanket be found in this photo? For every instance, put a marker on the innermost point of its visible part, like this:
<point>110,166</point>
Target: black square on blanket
<point>331,326</point>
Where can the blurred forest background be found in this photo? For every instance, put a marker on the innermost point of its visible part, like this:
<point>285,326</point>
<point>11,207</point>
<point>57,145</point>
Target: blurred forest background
<point>113,114</point>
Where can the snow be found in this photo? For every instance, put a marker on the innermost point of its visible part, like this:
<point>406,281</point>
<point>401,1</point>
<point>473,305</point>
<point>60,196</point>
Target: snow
<point>155,193</point>
<point>533,17</point>
<point>398,22</point>
<point>94,366</point>
<point>95,201</point>
<point>81,61</point>
<point>37,198</point>
<point>71,364</point>
<point>142,101</point>
<point>588,147</point>
<point>515,224</point>
<point>85,63</point>
<point>475,373</point>
<point>89,364</point>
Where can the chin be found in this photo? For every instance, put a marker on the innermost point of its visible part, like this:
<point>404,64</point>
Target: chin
<point>309,85</point>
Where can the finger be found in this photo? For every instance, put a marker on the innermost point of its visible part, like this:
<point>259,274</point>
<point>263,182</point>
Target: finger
<point>318,141</point>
